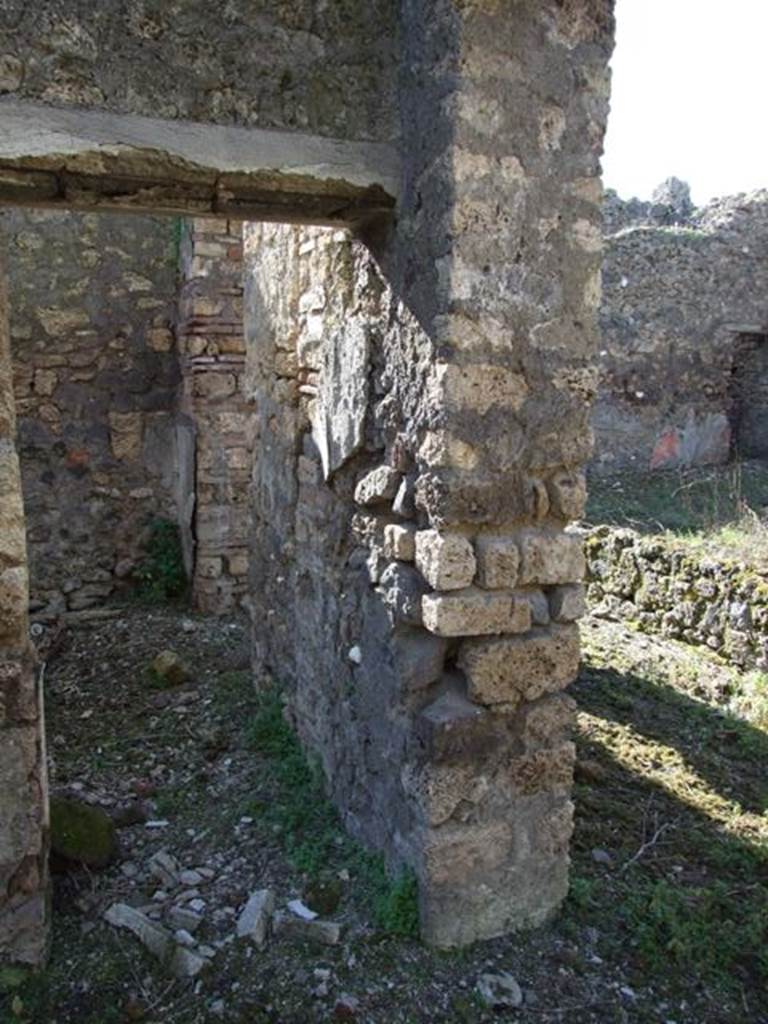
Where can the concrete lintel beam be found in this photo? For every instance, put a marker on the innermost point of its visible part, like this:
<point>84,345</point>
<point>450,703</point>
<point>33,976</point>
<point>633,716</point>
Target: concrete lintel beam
<point>93,159</point>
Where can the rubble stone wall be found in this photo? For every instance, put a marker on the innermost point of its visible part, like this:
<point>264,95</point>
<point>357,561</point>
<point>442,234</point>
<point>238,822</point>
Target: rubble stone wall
<point>23,784</point>
<point>422,420</point>
<point>325,68</point>
<point>212,354</point>
<point>685,305</point>
<point>659,587</point>
<point>447,404</point>
<point>93,310</point>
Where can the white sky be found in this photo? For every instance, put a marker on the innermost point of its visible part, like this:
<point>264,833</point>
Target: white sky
<point>689,97</point>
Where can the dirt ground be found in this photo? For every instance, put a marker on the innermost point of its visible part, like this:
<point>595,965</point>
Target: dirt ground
<point>667,918</point>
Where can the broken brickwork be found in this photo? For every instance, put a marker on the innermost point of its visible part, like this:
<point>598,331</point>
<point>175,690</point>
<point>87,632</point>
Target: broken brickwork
<point>421,424</point>
<point>212,353</point>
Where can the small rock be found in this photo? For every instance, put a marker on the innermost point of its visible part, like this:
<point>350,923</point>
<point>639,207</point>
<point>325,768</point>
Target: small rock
<point>327,932</point>
<point>253,922</point>
<point>355,655</point>
<point>602,857</point>
<point>188,625</point>
<point>206,951</point>
<point>183,918</point>
<point>186,964</point>
<point>301,910</point>
<point>156,939</point>
<point>165,868</point>
<point>169,667</point>
<point>499,990</point>
<point>190,878</point>
<point>184,938</point>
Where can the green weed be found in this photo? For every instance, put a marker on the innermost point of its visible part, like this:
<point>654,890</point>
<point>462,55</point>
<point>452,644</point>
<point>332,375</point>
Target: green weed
<point>161,576</point>
<point>309,827</point>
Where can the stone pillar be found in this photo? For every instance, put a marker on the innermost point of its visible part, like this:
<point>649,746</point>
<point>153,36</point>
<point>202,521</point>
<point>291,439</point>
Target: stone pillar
<point>23,790</point>
<point>423,420</point>
<point>499,240</point>
<point>212,350</point>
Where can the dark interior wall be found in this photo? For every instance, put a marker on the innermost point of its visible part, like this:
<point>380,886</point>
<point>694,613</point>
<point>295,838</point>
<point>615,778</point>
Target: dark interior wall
<point>93,309</point>
<point>749,396</point>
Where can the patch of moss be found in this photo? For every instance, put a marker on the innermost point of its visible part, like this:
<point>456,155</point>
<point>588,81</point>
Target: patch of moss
<point>82,834</point>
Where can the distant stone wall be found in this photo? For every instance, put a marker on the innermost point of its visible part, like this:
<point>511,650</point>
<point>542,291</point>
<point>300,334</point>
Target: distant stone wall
<point>684,291</point>
<point>93,309</point>
<point>212,353</point>
<point>660,587</point>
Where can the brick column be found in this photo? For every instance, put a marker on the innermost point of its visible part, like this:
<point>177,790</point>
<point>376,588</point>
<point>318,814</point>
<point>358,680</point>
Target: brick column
<point>212,352</point>
<point>23,790</point>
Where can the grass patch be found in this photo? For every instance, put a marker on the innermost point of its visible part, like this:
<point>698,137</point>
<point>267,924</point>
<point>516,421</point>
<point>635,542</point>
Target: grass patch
<point>681,808</point>
<point>681,502</point>
<point>751,701</point>
<point>309,827</point>
<point>161,577</point>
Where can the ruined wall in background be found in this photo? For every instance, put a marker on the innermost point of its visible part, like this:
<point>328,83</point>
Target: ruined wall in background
<point>658,586</point>
<point>324,68</point>
<point>93,307</point>
<point>678,287</point>
<point>423,416</point>
<point>212,354</point>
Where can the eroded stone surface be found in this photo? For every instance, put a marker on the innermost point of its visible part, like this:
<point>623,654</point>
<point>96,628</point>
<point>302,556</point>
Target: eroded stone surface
<point>447,561</point>
<point>475,612</point>
<point>550,557</point>
<point>510,670</point>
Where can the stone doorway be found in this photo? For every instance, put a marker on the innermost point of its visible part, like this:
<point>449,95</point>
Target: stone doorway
<point>432,618</point>
<point>128,359</point>
<point>749,395</point>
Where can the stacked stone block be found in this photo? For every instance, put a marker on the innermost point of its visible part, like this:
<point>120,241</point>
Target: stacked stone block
<point>212,351</point>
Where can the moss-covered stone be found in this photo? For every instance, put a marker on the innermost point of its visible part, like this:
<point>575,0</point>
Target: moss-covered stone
<point>81,834</point>
<point>169,669</point>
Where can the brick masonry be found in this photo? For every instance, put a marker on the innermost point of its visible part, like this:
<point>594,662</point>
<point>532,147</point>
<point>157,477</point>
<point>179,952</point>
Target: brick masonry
<point>212,354</point>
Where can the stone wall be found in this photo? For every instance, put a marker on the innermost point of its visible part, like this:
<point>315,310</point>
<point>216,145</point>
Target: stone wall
<point>93,309</point>
<point>685,305</point>
<point>660,587</point>
<point>422,409</point>
<point>326,68</point>
<point>418,469</point>
<point>23,784</point>
<point>212,352</point>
